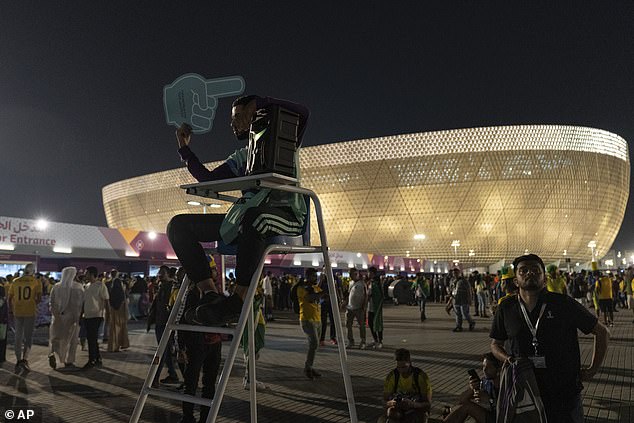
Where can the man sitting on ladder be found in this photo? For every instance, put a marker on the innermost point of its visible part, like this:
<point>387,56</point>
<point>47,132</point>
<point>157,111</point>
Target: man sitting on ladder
<point>259,214</point>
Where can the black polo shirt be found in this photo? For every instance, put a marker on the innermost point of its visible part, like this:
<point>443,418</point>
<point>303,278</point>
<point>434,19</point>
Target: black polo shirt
<point>556,335</point>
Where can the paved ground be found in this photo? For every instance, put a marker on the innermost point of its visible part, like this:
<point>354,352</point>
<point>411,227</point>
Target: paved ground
<point>108,394</point>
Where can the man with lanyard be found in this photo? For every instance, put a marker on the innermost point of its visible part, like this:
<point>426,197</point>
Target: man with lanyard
<point>268,213</point>
<point>542,326</point>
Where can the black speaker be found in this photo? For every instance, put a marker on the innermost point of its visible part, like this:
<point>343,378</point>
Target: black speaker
<point>273,142</point>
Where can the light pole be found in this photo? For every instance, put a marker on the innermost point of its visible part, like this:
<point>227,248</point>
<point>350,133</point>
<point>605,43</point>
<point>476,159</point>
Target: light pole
<point>455,244</point>
<point>592,245</point>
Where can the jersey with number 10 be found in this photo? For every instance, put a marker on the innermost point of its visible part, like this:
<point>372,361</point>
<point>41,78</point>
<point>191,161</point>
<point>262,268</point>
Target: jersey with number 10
<point>23,292</point>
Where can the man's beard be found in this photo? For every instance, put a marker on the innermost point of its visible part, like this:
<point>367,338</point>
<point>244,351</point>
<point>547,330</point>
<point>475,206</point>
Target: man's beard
<point>242,135</point>
<point>531,285</point>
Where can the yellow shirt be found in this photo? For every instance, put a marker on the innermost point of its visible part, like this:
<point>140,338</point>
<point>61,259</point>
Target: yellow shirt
<point>308,310</point>
<point>557,285</point>
<point>25,292</point>
<point>406,384</point>
<point>605,288</point>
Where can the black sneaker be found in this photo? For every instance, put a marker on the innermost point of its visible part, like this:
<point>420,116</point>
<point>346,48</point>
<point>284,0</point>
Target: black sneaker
<point>170,380</point>
<point>471,326</point>
<point>98,363</point>
<point>309,373</point>
<point>457,329</point>
<point>52,362</point>
<point>25,365</point>
<point>222,312</point>
<point>89,365</point>
<point>315,373</point>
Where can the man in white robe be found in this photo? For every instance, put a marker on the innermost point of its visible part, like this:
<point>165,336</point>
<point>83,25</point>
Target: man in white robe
<point>67,299</point>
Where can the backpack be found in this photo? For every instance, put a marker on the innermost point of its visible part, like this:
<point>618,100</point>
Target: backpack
<point>415,373</point>
<point>294,298</point>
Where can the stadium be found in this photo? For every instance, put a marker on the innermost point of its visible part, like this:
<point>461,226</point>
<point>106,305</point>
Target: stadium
<point>477,195</point>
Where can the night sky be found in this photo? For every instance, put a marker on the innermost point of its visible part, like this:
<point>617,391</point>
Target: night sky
<point>81,82</point>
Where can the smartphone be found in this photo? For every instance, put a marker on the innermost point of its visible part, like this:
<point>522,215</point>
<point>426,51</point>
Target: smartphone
<point>473,374</point>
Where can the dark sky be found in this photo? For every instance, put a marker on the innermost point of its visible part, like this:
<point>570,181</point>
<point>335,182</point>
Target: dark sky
<point>81,82</point>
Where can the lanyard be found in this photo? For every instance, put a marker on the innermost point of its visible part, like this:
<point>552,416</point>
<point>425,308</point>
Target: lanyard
<point>531,328</point>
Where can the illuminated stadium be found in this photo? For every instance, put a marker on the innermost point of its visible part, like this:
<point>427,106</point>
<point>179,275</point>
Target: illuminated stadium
<point>478,195</point>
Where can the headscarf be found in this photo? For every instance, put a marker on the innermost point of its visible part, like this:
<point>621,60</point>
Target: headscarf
<point>63,288</point>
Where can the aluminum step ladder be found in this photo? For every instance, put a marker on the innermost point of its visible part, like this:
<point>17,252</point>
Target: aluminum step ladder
<point>246,321</point>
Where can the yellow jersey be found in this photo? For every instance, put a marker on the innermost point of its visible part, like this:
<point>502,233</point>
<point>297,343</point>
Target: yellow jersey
<point>406,384</point>
<point>604,288</point>
<point>558,284</point>
<point>25,292</point>
<point>308,310</point>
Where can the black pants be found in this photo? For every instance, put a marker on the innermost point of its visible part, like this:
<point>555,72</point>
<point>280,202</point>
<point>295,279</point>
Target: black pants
<point>326,316</point>
<point>378,336</point>
<point>187,231</point>
<point>92,333</point>
<point>205,357</point>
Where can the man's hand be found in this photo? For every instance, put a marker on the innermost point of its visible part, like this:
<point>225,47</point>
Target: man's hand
<point>184,135</point>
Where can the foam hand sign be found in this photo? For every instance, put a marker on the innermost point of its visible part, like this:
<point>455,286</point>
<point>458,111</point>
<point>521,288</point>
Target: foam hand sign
<point>193,100</point>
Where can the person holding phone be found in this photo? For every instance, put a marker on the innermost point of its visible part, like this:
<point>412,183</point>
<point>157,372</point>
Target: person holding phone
<point>479,401</point>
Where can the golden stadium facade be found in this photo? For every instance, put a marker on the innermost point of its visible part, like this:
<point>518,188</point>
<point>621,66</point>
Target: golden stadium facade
<point>478,195</point>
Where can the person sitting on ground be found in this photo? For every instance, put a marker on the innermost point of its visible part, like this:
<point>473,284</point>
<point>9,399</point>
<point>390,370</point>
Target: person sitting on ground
<point>480,399</point>
<point>406,392</point>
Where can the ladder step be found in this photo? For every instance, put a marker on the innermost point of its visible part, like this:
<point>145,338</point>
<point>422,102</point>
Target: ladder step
<point>296,249</point>
<point>192,399</point>
<point>204,329</point>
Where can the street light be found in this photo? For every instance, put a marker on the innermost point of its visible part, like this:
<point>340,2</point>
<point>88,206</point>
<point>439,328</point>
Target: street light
<point>592,245</point>
<point>455,244</point>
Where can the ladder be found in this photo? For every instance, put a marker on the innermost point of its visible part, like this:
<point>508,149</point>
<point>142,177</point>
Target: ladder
<point>246,321</point>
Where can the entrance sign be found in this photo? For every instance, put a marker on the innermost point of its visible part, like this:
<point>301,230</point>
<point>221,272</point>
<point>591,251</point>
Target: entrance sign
<point>193,99</point>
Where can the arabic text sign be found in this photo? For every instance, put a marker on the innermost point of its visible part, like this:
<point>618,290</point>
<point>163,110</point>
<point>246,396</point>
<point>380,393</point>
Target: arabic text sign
<point>23,232</point>
<point>193,100</point>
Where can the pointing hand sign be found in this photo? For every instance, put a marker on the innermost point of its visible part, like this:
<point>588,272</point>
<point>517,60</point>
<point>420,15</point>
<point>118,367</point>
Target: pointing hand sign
<point>193,100</point>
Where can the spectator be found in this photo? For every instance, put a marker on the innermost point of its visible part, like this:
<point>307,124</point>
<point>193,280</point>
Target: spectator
<point>261,213</point>
<point>199,351</point>
<point>375,308</point>
<point>326,311</point>
<point>4,319</point>
<point>118,323</point>
<point>67,301</point>
<point>628,278</point>
<point>603,288</point>
<point>555,282</point>
<point>309,294</point>
<point>579,287</point>
<point>421,293</point>
<point>25,294</point>
<point>480,399</point>
<point>406,392</point>
<point>159,314</point>
<point>267,285</point>
<point>357,301</point>
<point>461,299</point>
<point>542,327</point>
<point>482,292</point>
<point>95,303</point>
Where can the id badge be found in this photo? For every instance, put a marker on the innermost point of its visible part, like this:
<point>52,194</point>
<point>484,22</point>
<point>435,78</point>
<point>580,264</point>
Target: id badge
<point>539,361</point>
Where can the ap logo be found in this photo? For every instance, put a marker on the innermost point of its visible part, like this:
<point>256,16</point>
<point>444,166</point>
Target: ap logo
<point>193,100</point>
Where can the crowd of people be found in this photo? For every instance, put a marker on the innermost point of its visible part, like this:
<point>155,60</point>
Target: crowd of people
<point>86,305</point>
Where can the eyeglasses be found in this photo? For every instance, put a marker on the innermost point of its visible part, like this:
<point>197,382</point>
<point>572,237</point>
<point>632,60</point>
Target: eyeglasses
<point>532,268</point>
